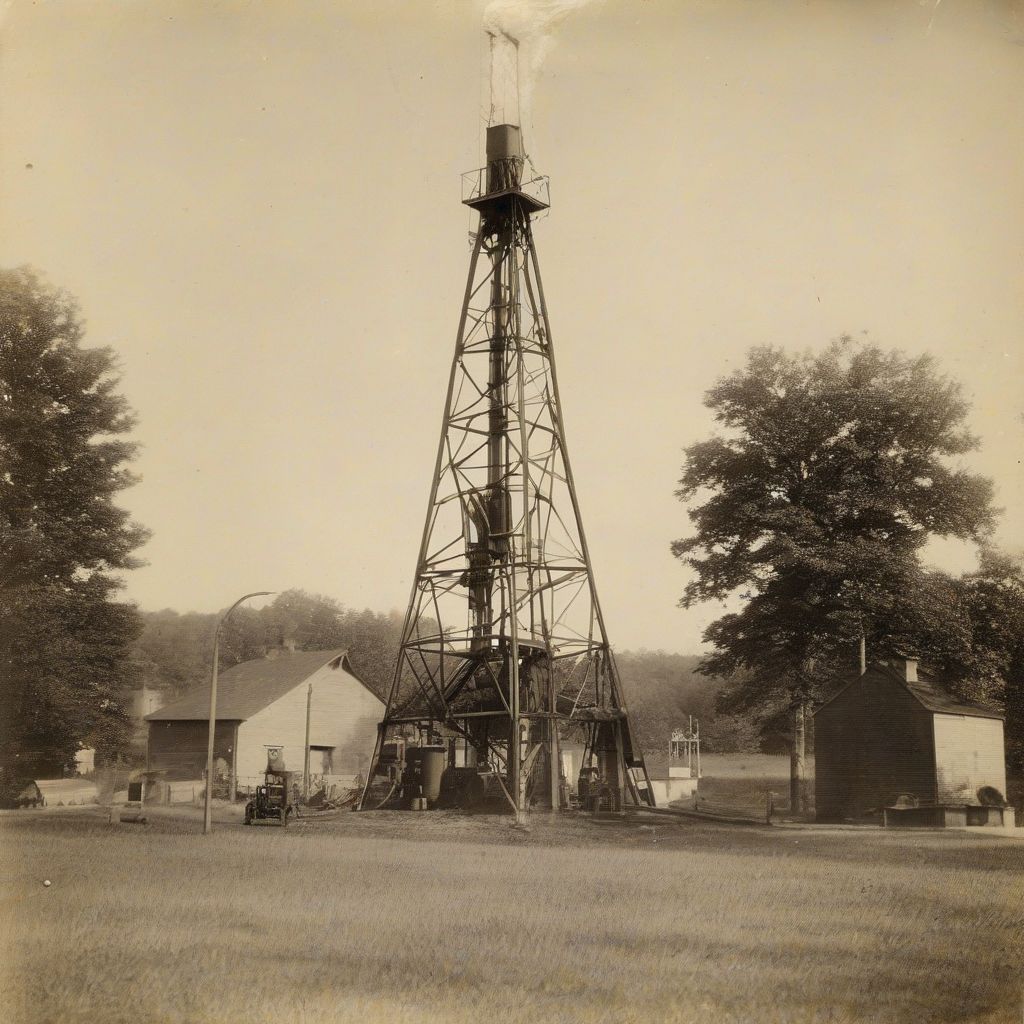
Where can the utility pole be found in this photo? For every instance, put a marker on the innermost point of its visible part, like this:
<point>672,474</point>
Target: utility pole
<point>208,803</point>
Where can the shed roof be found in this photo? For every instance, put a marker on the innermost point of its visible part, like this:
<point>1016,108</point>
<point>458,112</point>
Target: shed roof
<point>246,689</point>
<point>935,698</point>
<point>67,791</point>
<point>926,690</point>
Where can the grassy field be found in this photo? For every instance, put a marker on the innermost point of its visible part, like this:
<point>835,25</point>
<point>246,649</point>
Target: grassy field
<point>737,783</point>
<point>438,917</point>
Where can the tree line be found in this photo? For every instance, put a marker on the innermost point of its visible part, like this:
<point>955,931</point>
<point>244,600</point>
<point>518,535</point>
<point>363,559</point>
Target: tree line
<point>174,651</point>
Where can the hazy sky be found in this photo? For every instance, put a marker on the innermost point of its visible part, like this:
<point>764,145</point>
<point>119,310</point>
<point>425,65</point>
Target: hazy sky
<point>257,205</point>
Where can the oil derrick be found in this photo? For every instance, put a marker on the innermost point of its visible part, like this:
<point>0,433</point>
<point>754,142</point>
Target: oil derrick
<point>504,659</point>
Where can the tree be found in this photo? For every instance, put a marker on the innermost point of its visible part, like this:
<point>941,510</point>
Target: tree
<point>65,644</point>
<point>831,473</point>
<point>314,622</point>
<point>175,650</point>
<point>994,663</point>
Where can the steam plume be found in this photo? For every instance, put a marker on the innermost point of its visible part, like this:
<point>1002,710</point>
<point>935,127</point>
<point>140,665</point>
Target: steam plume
<point>522,34</point>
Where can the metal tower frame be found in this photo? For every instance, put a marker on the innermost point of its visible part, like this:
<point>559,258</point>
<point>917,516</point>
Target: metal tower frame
<point>504,643</point>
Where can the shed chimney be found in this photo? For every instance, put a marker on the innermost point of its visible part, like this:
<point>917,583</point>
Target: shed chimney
<point>910,670</point>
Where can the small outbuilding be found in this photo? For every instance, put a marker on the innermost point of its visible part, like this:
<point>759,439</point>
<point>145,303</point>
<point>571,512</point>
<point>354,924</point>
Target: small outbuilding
<point>262,704</point>
<point>66,792</point>
<point>896,738</point>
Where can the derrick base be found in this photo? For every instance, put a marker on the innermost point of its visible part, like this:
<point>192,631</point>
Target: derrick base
<point>552,755</point>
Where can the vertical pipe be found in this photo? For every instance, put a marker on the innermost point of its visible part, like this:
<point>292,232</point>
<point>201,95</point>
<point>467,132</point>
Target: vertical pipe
<point>523,553</point>
<point>208,803</point>
<point>496,381</point>
<point>620,768</point>
<point>554,741</point>
<point>497,387</point>
<point>497,491</point>
<point>305,763</point>
<point>234,764</point>
<point>515,736</point>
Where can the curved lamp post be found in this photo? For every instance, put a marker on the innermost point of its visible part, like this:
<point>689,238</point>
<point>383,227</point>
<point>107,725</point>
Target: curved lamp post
<point>208,810</point>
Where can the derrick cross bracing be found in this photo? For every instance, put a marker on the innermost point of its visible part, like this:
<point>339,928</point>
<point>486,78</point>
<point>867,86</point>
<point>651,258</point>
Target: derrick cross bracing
<point>504,654</point>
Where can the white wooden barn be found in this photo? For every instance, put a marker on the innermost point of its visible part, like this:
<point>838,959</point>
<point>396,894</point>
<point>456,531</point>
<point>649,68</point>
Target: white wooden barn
<point>262,704</point>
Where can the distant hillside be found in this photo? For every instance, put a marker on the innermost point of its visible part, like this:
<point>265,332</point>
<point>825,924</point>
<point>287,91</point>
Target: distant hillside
<point>175,649</point>
<point>662,690</point>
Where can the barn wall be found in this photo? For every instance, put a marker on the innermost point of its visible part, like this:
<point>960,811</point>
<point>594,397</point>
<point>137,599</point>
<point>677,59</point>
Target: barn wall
<point>872,743</point>
<point>344,716</point>
<point>968,754</point>
<point>179,747</point>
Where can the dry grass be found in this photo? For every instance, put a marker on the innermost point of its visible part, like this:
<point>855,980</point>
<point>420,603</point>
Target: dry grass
<point>738,783</point>
<point>429,918</point>
<point>750,766</point>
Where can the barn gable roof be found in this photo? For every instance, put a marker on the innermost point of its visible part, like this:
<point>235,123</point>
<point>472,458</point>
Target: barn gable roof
<point>246,689</point>
<point>926,690</point>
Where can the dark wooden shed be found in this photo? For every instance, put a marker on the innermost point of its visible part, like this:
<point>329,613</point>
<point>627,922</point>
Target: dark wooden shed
<point>892,733</point>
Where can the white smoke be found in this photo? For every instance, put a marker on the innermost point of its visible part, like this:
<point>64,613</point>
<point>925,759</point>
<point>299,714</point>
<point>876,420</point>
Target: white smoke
<point>504,80</point>
<point>526,26</point>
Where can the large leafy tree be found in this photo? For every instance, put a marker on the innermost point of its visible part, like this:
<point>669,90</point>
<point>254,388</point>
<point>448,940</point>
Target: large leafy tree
<point>65,642</point>
<point>812,505</point>
<point>993,599</point>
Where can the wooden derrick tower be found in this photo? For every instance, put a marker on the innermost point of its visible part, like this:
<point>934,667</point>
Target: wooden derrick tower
<point>504,656</point>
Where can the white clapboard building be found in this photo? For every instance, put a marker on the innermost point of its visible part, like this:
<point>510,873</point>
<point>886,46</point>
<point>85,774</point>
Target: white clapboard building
<point>262,704</point>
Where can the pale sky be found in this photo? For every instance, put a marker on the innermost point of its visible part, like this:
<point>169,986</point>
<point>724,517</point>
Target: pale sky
<point>257,205</point>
